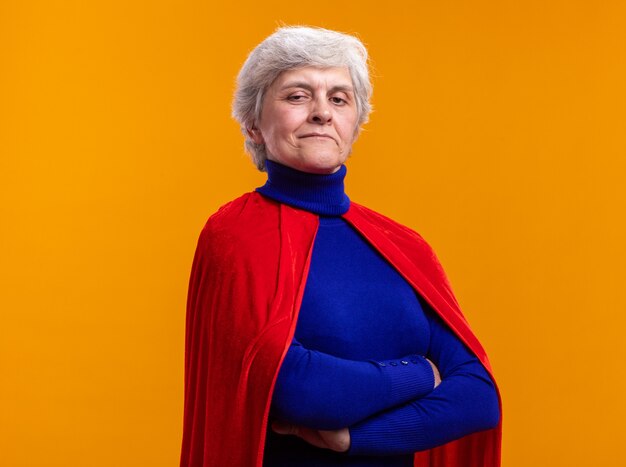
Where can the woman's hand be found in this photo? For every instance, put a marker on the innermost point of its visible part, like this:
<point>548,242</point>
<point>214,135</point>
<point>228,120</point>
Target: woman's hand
<point>336,440</point>
<point>436,373</point>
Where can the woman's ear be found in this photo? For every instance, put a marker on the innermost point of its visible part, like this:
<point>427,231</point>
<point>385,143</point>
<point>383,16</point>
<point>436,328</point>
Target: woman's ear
<point>255,135</point>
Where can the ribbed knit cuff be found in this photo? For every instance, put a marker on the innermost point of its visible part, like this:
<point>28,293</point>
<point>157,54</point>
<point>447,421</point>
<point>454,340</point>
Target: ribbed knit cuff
<point>396,432</point>
<point>411,377</point>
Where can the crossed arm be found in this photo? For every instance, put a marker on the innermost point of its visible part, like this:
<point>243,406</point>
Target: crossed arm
<point>387,407</point>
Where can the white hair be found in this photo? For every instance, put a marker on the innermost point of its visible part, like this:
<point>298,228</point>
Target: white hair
<point>293,47</point>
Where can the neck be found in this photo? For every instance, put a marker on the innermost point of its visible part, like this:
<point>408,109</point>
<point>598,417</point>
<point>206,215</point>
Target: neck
<point>321,194</point>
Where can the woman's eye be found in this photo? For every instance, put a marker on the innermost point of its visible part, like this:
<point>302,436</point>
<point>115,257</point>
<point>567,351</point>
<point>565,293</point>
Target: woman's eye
<point>337,100</point>
<point>296,97</point>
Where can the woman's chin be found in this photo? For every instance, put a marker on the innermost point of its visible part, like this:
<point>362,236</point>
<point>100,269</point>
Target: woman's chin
<point>321,168</point>
<point>321,163</point>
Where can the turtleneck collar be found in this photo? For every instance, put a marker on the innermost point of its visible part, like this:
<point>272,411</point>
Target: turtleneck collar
<point>321,194</point>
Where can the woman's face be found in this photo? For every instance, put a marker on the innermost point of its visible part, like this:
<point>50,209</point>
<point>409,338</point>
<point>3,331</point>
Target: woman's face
<point>309,119</point>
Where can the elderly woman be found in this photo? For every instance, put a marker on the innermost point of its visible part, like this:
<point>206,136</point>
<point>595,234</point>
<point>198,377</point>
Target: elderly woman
<point>318,331</point>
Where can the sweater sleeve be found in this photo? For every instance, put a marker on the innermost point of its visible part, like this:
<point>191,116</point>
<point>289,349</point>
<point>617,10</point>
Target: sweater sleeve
<point>465,402</point>
<point>321,391</point>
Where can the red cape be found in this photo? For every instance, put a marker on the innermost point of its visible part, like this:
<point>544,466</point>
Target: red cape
<point>246,286</point>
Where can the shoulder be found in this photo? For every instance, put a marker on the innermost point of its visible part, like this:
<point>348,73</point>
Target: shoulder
<point>241,215</point>
<point>386,225</point>
<point>249,238</point>
<point>229,216</point>
<point>236,225</point>
<point>398,242</point>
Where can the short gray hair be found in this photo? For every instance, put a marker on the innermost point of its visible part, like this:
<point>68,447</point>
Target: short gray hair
<point>293,47</point>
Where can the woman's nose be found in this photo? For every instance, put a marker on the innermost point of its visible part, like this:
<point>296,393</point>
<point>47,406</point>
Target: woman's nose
<point>320,114</point>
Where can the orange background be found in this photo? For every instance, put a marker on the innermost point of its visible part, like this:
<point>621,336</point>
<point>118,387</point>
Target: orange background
<point>499,133</point>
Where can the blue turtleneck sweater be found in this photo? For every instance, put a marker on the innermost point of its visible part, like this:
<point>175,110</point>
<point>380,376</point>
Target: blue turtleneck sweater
<point>358,358</point>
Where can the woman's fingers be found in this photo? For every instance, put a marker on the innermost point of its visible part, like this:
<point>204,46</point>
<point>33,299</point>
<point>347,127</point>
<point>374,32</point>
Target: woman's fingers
<point>336,440</point>
<point>435,372</point>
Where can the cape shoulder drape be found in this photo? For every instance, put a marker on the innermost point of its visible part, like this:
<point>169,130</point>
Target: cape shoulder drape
<point>246,286</point>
